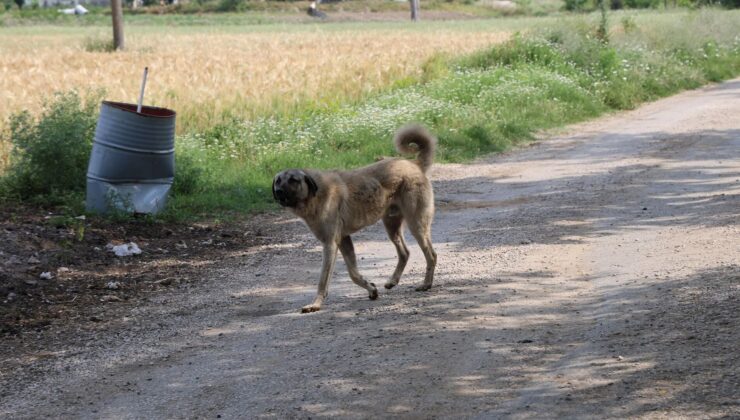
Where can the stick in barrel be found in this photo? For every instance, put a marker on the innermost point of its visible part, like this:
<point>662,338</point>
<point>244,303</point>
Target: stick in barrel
<point>141,93</point>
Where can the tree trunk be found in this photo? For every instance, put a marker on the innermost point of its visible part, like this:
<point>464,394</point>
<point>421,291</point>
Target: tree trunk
<point>414,10</point>
<point>117,13</point>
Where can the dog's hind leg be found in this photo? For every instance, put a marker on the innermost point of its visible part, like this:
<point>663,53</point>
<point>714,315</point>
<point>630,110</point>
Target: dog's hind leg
<point>394,227</point>
<point>422,230</point>
<point>327,268</point>
<point>348,252</point>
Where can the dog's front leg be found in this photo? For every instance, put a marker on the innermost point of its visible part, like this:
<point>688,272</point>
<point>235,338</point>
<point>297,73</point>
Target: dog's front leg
<point>327,268</point>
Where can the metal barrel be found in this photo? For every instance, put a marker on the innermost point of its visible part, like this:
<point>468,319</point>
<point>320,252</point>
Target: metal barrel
<point>132,164</point>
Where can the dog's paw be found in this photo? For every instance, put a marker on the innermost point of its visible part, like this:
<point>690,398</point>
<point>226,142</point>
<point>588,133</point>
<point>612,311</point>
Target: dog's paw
<point>389,285</point>
<point>374,292</point>
<point>310,308</point>
<point>423,287</point>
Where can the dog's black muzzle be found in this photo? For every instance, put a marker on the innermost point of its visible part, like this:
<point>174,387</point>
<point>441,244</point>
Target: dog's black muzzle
<point>283,199</point>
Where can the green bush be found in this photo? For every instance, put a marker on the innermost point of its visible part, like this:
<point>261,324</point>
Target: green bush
<point>518,51</point>
<point>575,5</point>
<point>190,174</point>
<point>229,5</point>
<point>50,154</point>
<point>642,4</point>
<point>92,44</point>
<point>628,24</point>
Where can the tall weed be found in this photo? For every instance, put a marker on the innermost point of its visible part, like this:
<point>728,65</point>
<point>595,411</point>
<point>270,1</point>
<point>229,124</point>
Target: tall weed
<point>49,154</point>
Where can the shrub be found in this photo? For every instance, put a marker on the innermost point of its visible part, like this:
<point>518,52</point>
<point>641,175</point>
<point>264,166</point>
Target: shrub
<point>575,5</point>
<point>519,50</point>
<point>628,24</point>
<point>49,155</point>
<point>189,174</point>
<point>229,5</point>
<point>642,4</point>
<point>92,44</point>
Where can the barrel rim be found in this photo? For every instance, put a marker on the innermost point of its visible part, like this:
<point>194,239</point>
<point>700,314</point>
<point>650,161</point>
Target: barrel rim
<point>133,181</point>
<point>146,111</point>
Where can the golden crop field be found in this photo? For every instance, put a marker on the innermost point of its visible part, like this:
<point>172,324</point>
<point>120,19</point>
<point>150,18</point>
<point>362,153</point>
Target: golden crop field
<point>209,74</point>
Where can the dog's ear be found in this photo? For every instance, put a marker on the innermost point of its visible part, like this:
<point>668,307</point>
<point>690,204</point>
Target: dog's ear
<point>273,188</point>
<point>312,187</point>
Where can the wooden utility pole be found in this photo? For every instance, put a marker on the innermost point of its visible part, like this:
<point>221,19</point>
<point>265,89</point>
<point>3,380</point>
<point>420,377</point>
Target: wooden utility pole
<point>414,10</point>
<point>117,13</point>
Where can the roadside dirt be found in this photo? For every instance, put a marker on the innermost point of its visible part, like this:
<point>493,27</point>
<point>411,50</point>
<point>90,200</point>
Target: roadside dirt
<point>594,274</point>
<point>83,273</point>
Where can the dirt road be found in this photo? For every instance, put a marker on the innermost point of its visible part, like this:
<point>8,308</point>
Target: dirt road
<point>592,275</point>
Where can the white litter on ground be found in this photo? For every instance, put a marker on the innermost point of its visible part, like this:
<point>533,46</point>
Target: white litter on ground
<point>124,250</point>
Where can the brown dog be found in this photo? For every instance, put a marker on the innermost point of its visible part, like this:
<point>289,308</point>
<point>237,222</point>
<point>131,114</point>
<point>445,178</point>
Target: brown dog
<point>335,204</point>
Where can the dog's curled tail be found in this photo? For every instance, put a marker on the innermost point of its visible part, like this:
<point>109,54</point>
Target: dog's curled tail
<point>425,144</point>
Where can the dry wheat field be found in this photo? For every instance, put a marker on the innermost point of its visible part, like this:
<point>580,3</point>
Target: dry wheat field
<point>210,74</point>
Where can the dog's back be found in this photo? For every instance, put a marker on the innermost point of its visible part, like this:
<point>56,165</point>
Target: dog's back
<point>394,173</point>
<point>373,189</point>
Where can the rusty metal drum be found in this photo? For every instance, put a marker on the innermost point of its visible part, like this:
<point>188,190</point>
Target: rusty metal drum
<point>132,164</point>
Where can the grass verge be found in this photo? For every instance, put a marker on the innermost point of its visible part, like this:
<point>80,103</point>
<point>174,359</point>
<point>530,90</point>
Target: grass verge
<point>485,102</point>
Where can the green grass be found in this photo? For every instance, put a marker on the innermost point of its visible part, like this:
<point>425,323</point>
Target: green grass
<point>482,103</point>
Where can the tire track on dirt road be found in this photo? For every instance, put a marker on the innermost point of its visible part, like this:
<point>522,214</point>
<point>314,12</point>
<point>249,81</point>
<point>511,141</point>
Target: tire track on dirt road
<point>593,274</point>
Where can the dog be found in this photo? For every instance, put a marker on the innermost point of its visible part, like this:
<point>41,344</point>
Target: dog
<point>336,204</point>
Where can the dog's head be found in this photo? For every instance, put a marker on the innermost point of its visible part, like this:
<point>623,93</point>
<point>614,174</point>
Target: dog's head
<point>293,186</point>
